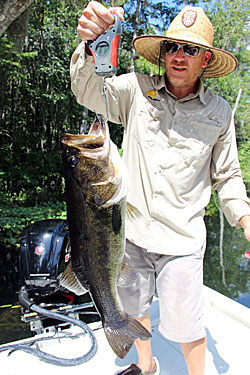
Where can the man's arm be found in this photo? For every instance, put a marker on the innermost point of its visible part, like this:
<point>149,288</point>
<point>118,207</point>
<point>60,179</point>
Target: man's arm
<point>227,178</point>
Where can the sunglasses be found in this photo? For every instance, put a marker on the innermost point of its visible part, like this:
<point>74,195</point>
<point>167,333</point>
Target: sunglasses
<point>187,49</point>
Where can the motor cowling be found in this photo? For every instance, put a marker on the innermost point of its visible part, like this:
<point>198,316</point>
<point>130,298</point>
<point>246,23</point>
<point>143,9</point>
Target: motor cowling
<point>44,254</point>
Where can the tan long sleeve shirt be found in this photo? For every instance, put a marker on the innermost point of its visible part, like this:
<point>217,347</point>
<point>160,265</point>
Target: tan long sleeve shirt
<point>174,150</point>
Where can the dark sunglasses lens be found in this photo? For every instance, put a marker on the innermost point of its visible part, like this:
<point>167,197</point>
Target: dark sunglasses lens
<point>191,50</point>
<point>171,47</point>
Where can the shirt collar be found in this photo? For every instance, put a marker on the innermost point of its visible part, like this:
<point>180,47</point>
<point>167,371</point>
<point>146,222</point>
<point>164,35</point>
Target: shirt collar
<point>199,93</point>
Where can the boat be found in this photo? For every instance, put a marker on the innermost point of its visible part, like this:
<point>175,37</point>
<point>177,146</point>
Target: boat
<point>228,346</point>
<point>73,346</point>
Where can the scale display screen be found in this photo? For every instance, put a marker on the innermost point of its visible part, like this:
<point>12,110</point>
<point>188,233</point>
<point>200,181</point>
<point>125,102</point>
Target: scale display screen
<point>102,49</point>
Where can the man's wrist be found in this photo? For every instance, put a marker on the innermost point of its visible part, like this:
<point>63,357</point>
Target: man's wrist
<point>244,221</point>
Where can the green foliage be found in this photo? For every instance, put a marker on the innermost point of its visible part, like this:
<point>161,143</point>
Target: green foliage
<point>244,153</point>
<point>36,102</point>
<point>14,219</point>
<point>232,32</point>
<point>37,105</point>
<point>213,207</point>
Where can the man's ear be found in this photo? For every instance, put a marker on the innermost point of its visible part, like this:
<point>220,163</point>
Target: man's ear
<point>207,57</point>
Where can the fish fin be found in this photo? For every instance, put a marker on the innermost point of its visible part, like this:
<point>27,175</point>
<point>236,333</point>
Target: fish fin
<point>128,276</point>
<point>122,335</point>
<point>70,281</point>
<point>131,211</point>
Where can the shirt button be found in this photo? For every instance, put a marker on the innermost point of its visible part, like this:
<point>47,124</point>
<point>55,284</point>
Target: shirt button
<point>158,192</point>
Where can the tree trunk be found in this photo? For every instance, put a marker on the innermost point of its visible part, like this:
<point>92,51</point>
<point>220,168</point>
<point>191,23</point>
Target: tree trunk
<point>237,101</point>
<point>132,65</point>
<point>221,212</point>
<point>10,10</point>
<point>84,125</point>
<point>221,248</point>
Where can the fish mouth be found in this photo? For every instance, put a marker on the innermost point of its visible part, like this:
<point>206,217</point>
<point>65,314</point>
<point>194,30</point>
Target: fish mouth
<point>92,145</point>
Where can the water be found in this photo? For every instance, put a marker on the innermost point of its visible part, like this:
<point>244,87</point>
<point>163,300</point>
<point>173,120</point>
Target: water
<point>227,272</point>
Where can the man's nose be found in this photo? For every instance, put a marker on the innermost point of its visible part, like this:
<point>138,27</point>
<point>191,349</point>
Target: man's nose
<point>179,55</point>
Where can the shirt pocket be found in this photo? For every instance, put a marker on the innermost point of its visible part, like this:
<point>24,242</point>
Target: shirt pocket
<point>149,120</point>
<point>206,132</point>
<point>196,140</point>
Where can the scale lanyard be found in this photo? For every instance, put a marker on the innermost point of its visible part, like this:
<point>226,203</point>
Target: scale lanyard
<point>105,96</point>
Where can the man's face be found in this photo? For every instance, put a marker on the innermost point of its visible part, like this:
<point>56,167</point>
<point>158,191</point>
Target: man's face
<point>183,71</point>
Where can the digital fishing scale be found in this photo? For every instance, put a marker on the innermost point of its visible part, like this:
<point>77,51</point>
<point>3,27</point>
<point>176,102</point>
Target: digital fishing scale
<point>105,50</point>
<point>105,55</point>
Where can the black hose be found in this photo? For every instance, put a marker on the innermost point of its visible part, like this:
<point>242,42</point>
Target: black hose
<point>24,298</point>
<point>26,302</point>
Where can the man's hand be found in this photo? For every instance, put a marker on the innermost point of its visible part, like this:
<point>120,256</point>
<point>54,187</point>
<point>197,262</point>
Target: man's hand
<point>96,20</point>
<point>245,224</point>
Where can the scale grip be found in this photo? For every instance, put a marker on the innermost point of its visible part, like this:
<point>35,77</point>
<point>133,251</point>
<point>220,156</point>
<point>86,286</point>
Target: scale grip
<point>114,50</point>
<point>105,50</point>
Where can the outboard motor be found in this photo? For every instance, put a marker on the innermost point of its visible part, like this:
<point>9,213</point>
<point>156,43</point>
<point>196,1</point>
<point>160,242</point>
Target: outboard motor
<point>44,254</point>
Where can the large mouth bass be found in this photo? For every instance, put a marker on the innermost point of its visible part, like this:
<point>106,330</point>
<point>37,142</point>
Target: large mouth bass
<point>96,185</point>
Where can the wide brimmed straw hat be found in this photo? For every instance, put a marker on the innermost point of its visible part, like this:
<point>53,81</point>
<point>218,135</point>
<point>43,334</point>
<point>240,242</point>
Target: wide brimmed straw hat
<point>192,26</point>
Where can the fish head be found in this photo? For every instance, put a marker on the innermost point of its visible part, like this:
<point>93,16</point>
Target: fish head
<point>92,163</point>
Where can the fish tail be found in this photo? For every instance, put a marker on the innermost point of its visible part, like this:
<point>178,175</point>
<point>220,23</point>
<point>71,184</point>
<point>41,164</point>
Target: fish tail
<point>122,335</point>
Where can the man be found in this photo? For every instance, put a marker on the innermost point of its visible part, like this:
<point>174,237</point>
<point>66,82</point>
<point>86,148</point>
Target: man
<point>178,137</point>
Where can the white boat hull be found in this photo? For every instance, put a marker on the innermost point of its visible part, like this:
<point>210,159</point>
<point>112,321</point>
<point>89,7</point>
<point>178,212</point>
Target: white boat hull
<point>228,346</point>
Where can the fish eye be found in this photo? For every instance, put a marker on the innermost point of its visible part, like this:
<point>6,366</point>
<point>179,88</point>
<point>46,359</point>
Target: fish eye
<point>73,161</point>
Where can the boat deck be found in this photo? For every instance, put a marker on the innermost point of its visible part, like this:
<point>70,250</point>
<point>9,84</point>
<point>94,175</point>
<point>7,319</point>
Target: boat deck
<point>228,347</point>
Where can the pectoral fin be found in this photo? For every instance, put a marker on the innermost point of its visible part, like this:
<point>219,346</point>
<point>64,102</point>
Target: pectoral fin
<point>127,276</point>
<point>70,281</point>
<point>132,212</point>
